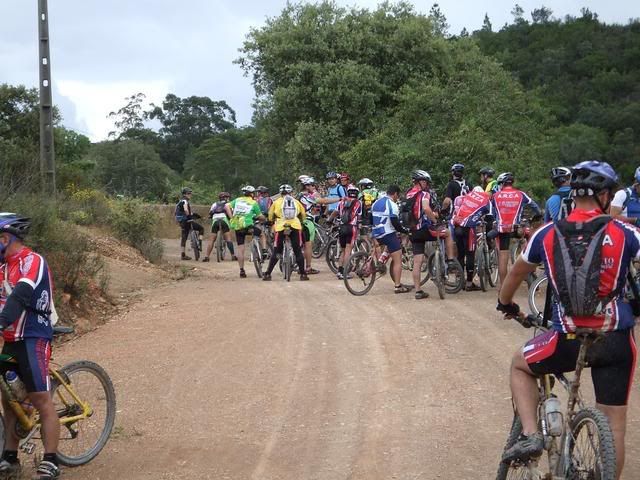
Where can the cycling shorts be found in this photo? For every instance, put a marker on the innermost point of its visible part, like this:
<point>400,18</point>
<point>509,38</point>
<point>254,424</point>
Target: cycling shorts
<point>218,225</point>
<point>347,235</point>
<point>308,231</point>
<point>612,360</point>
<point>32,355</point>
<point>246,232</point>
<point>505,241</point>
<point>391,241</point>
<point>419,238</point>
<point>465,238</point>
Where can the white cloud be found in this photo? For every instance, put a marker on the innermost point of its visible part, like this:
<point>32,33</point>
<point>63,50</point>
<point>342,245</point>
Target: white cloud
<point>94,101</point>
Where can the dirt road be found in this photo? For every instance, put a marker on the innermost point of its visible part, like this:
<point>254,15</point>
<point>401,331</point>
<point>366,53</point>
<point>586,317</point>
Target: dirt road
<point>223,378</point>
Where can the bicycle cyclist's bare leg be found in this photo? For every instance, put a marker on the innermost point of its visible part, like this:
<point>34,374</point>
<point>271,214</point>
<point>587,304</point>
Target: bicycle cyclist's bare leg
<point>396,267</point>
<point>503,263</point>
<point>184,234</point>
<point>308,254</point>
<point>450,247</point>
<point>346,253</point>
<point>10,419</point>
<point>418,258</point>
<point>50,428</point>
<point>240,255</point>
<point>524,389</point>
<point>212,242</point>
<point>617,416</point>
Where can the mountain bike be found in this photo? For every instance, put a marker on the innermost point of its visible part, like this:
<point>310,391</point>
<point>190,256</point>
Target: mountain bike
<point>320,241</point>
<point>538,294</point>
<point>288,259</point>
<point>448,276</point>
<point>486,260</point>
<point>194,239</point>
<point>334,250</point>
<point>579,443</point>
<point>85,401</point>
<point>361,271</point>
<point>220,245</point>
<point>256,255</point>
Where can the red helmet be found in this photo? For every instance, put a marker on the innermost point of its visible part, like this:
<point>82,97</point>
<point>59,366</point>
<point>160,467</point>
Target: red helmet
<point>344,175</point>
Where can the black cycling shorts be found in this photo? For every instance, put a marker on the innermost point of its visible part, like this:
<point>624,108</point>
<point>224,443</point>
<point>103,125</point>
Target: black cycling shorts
<point>220,225</point>
<point>32,356</point>
<point>612,360</point>
<point>419,238</point>
<point>347,235</point>
<point>505,241</point>
<point>247,232</point>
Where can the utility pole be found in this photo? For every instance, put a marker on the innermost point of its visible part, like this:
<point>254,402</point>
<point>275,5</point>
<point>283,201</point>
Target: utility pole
<point>47,152</point>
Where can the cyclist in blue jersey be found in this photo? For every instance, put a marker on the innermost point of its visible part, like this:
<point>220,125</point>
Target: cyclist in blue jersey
<point>386,226</point>
<point>558,205</point>
<point>626,203</point>
<point>334,190</point>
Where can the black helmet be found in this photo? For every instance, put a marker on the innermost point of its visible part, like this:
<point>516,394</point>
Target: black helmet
<point>506,178</point>
<point>420,175</point>
<point>591,177</point>
<point>14,224</point>
<point>457,168</point>
<point>262,189</point>
<point>186,190</point>
<point>487,171</point>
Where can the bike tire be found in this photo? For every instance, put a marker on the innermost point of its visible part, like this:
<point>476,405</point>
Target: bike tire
<point>537,295</point>
<point>513,472</point>
<point>598,427</point>
<point>106,394</point>
<point>454,276</point>
<point>256,256</point>
<point>219,248</point>
<point>492,266</point>
<point>287,266</point>
<point>332,256</point>
<point>436,267</point>
<point>195,244</point>
<point>481,270</point>
<point>319,244</point>
<point>359,270</point>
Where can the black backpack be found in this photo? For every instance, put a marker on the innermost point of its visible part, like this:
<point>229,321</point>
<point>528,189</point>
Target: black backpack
<point>577,251</point>
<point>407,218</point>
<point>566,204</point>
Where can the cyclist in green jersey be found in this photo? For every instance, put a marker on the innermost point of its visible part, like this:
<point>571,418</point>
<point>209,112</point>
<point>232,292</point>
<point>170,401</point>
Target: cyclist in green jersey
<point>243,212</point>
<point>486,180</point>
<point>368,195</point>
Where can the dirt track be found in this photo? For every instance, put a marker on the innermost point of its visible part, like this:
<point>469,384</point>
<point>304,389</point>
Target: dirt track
<point>224,378</point>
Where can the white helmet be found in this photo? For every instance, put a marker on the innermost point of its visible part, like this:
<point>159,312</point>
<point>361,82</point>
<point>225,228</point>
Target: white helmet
<point>248,189</point>
<point>478,189</point>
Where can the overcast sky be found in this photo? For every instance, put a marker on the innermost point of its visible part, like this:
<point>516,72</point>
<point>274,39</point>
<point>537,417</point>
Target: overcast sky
<point>103,51</point>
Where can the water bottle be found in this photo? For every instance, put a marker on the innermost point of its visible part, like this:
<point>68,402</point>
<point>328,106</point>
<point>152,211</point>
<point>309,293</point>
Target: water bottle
<point>553,415</point>
<point>16,385</point>
<point>384,257</point>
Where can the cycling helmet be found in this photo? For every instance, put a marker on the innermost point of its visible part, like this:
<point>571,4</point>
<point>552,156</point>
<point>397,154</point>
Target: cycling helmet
<point>302,178</point>
<point>248,189</point>
<point>186,190</point>
<point>14,224</point>
<point>487,171</point>
<point>331,175</point>
<point>636,175</point>
<point>417,175</point>
<point>559,175</point>
<point>366,183</point>
<point>262,189</point>
<point>478,189</point>
<point>591,177</point>
<point>344,176</point>
<point>457,168</point>
<point>353,191</point>
<point>308,181</point>
<point>285,188</point>
<point>506,178</point>
<point>223,195</point>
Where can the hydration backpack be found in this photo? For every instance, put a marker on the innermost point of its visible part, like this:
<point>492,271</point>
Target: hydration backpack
<point>566,204</point>
<point>577,250</point>
<point>179,213</point>
<point>407,216</point>
<point>289,209</point>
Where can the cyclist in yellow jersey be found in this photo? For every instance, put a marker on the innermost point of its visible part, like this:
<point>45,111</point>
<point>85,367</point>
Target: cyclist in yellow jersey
<point>486,180</point>
<point>287,212</point>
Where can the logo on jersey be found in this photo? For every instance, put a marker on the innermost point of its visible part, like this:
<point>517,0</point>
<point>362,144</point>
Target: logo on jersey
<point>607,241</point>
<point>26,264</point>
<point>43,304</point>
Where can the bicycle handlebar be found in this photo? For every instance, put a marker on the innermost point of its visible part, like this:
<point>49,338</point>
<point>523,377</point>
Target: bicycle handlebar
<point>528,321</point>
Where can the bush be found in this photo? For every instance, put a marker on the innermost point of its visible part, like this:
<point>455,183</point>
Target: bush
<point>86,206</point>
<point>134,223</point>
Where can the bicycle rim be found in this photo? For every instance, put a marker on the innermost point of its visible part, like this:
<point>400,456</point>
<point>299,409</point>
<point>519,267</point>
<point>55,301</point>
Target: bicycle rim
<point>195,245</point>
<point>81,441</point>
<point>515,470</point>
<point>359,273</point>
<point>592,450</point>
<point>286,261</point>
<point>437,273</point>
<point>481,270</point>
<point>453,275</point>
<point>257,259</point>
<point>333,255</point>
<point>538,295</point>
<point>492,266</point>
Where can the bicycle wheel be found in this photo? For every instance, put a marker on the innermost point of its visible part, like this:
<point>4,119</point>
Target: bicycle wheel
<point>319,243</point>
<point>195,244</point>
<point>492,266</point>
<point>592,450</point>
<point>220,247</point>
<point>453,276</point>
<point>515,470</point>
<point>436,267</point>
<point>481,269</point>
<point>256,256</point>
<point>287,265</point>
<point>333,255</point>
<point>360,273</point>
<point>538,295</point>
<point>81,441</point>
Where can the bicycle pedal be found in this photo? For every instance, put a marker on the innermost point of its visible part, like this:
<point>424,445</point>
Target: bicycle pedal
<point>28,447</point>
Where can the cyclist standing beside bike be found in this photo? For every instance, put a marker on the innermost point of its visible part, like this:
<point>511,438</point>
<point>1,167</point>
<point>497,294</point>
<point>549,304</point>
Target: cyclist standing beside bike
<point>507,206</point>
<point>220,223</point>
<point>243,212</point>
<point>334,190</point>
<point>349,213</point>
<point>457,186</point>
<point>559,205</point>
<point>185,216</point>
<point>591,246</point>
<point>285,212</point>
<point>26,300</point>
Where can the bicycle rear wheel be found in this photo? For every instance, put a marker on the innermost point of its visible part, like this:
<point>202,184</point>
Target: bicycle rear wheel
<point>492,266</point>
<point>453,276</point>
<point>538,295</point>
<point>82,440</point>
<point>360,273</point>
<point>333,255</point>
<point>220,245</point>
<point>481,269</point>
<point>256,256</point>
<point>436,267</point>
<point>592,449</point>
<point>287,264</point>
<point>195,244</point>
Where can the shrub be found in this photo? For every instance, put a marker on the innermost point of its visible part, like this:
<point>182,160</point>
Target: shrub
<point>86,206</point>
<point>135,223</point>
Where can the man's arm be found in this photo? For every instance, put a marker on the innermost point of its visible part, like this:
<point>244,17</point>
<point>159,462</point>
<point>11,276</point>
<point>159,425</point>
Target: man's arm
<point>518,274</point>
<point>426,208</point>
<point>16,304</point>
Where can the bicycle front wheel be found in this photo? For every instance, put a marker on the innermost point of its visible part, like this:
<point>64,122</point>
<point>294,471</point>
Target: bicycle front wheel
<point>195,244</point>
<point>453,276</point>
<point>515,470</point>
<point>82,440</point>
<point>492,265</point>
<point>333,255</point>
<point>481,269</point>
<point>593,453</point>
<point>256,255</point>
<point>538,295</point>
<point>360,273</point>
<point>436,267</point>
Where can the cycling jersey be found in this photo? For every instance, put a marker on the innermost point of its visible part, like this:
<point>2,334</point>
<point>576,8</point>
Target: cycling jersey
<point>470,208</point>
<point>383,210</point>
<point>337,191</point>
<point>492,187</point>
<point>265,204</point>
<point>308,200</point>
<point>553,207</point>
<point>629,201</point>
<point>244,210</point>
<point>368,196</point>
<point>349,211</point>
<point>183,210</point>
<point>218,212</point>
<point>287,211</point>
<point>508,205</point>
<point>620,244</point>
<point>423,221</point>
<point>35,321</point>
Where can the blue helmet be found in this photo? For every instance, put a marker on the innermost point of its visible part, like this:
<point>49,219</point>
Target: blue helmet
<point>591,177</point>
<point>636,175</point>
<point>14,224</point>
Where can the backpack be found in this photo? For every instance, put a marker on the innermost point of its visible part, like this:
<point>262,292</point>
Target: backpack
<point>179,213</point>
<point>566,204</point>
<point>347,213</point>
<point>289,209</point>
<point>407,217</point>
<point>577,250</point>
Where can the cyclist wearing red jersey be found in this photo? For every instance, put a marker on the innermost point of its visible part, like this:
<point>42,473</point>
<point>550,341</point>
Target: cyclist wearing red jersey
<point>507,206</point>
<point>591,246</point>
<point>349,214</point>
<point>26,316</point>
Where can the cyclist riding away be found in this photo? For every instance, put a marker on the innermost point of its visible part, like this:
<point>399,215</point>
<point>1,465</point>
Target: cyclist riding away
<point>220,223</point>
<point>386,226</point>
<point>26,318</point>
<point>349,213</point>
<point>487,181</point>
<point>591,246</point>
<point>507,206</point>
<point>626,204</point>
<point>457,186</point>
<point>560,204</point>
<point>185,216</point>
<point>368,194</point>
<point>285,212</point>
<point>243,212</point>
